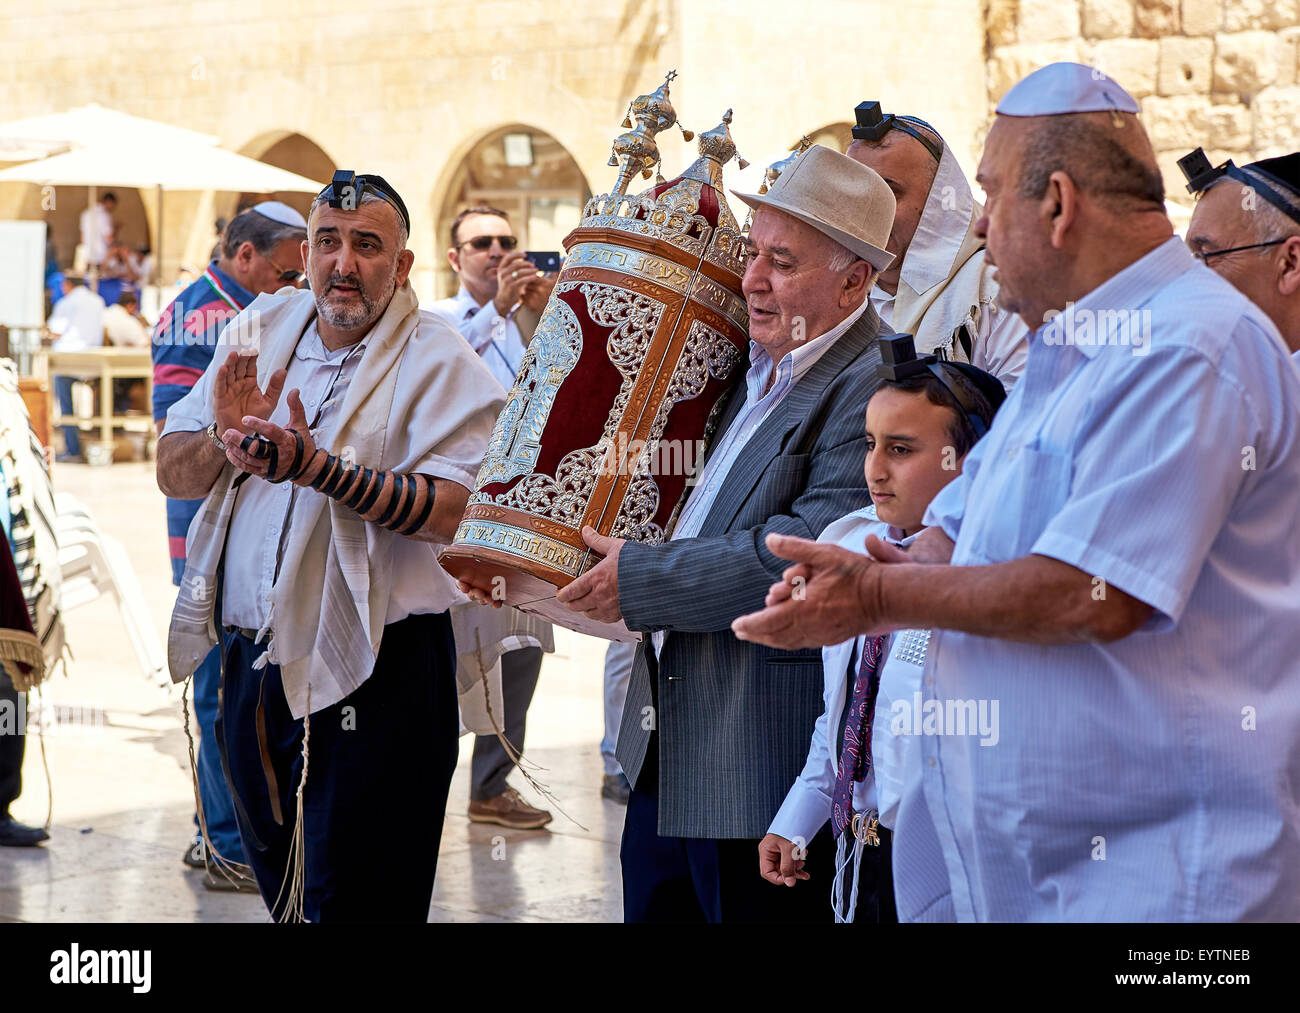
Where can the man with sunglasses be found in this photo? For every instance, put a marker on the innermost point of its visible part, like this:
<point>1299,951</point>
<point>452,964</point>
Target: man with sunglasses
<point>1246,227</point>
<point>261,251</point>
<point>497,309</point>
<point>501,295</point>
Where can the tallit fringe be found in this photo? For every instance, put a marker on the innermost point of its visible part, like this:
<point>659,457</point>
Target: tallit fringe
<point>514,754</point>
<point>217,863</point>
<point>45,764</point>
<point>842,861</point>
<point>23,649</point>
<point>295,876</point>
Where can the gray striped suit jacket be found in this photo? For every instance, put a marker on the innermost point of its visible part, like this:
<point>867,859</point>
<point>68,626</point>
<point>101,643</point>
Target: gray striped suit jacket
<point>734,719</point>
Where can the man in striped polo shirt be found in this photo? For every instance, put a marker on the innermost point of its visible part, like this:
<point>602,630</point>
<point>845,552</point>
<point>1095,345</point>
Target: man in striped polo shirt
<point>261,251</point>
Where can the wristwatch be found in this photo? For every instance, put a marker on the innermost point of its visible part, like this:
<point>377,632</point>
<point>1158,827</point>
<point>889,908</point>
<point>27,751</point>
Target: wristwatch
<point>216,440</point>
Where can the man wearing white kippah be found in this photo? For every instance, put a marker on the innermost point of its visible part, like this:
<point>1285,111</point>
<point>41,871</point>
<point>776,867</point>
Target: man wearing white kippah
<point>1118,563</point>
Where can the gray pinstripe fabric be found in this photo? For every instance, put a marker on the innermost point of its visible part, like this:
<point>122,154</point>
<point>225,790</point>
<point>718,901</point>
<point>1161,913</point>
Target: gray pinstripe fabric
<point>734,719</point>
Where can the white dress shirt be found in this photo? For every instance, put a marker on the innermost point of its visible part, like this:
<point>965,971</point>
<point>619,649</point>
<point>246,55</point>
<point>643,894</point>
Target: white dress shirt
<point>78,321</point>
<point>807,806</point>
<point>1155,778</point>
<point>758,406</point>
<point>419,584</point>
<point>96,228</point>
<point>124,330</point>
<point>495,338</point>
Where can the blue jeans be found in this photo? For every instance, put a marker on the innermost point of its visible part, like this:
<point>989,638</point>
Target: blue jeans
<point>63,391</point>
<point>618,670</point>
<point>218,809</point>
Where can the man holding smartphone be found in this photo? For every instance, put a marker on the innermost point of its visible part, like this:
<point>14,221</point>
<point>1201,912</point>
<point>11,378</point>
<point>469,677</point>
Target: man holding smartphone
<point>501,295</point>
<point>497,309</point>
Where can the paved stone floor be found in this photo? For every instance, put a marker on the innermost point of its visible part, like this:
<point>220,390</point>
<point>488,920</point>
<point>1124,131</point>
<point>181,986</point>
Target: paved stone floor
<point>122,800</point>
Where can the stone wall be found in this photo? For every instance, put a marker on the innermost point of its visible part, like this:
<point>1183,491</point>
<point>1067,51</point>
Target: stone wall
<point>1221,74</point>
<point>409,87</point>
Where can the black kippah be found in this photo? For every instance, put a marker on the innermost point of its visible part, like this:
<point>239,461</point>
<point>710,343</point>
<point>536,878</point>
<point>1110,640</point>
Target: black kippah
<point>1283,170</point>
<point>986,383</point>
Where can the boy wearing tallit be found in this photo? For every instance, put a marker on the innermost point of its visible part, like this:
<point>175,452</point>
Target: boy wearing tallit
<point>863,767</point>
<point>938,288</point>
<point>313,562</point>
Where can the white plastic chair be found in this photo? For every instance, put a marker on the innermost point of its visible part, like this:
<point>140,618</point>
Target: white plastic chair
<point>92,563</point>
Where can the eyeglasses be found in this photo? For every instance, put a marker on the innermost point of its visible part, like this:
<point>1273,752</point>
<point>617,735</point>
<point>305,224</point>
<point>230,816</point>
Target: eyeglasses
<point>1204,255</point>
<point>481,243</point>
<point>287,276</point>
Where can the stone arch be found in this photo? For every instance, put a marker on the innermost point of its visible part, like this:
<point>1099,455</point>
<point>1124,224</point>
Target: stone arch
<point>286,149</point>
<point>543,193</point>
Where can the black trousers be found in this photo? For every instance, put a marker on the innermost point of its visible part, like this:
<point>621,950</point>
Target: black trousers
<point>688,879</point>
<point>490,765</point>
<point>12,741</point>
<point>380,763</point>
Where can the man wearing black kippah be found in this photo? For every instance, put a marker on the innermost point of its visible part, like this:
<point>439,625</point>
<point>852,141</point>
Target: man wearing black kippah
<point>314,557</point>
<point>1246,226</point>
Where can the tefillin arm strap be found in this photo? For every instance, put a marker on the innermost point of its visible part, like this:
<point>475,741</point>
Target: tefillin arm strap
<point>401,503</point>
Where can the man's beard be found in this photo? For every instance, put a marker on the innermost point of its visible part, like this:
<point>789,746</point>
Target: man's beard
<point>353,318</point>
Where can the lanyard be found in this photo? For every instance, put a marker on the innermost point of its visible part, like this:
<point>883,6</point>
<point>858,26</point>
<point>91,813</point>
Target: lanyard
<point>293,493</point>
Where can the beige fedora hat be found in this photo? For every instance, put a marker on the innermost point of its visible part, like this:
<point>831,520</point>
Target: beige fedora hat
<point>837,196</point>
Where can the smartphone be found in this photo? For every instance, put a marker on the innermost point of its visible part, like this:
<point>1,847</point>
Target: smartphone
<point>547,261</point>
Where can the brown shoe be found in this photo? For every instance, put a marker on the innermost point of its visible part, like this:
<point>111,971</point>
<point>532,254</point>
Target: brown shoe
<point>234,881</point>
<point>509,810</point>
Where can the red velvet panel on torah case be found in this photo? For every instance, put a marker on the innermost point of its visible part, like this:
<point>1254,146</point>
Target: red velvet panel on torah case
<point>620,387</point>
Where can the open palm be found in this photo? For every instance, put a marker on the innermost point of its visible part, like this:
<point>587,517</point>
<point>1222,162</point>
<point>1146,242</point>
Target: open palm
<point>236,393</point>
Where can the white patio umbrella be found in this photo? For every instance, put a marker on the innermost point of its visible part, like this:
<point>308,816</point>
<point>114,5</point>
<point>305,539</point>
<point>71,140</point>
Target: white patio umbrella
<point>87,126</point>
<point>173,164</point>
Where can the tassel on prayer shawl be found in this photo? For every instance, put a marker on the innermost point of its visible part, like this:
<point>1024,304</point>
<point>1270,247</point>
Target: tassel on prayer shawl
<point>214,862</point>
<point>24,659</point>
<point>517,757</point>
<point>295,875</point>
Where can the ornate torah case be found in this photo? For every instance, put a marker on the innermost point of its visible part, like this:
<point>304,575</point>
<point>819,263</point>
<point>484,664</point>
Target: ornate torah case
<point>618,391</point>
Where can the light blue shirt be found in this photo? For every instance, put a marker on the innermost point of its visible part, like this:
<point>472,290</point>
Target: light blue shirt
<point>1157,777</point>
<point>495,338</point>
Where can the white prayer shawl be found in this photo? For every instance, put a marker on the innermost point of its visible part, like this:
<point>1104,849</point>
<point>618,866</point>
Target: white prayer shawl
<point>483,634</point>
<point>328,607</point>
<point>25,482</point>
<point>943,283</point>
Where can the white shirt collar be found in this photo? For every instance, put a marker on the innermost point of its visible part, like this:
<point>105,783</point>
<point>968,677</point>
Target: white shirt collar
<point>803,356</point>
<point>312,347</point>
<point>466,304</point>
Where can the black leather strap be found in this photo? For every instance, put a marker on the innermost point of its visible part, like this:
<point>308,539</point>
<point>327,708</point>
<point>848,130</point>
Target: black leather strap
<point>372,496</point>
<point>255,446</point>
<point>358,493</point>
<point>399,491</point>
<point>427,509</point>
<point>326,470</point>
<point>295,466</point>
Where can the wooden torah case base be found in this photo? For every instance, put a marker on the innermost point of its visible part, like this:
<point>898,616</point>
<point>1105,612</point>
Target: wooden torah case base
<point>526,585</point>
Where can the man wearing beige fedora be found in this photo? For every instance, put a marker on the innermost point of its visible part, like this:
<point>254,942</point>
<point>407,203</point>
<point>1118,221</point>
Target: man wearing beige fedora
<point>715,730</point>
